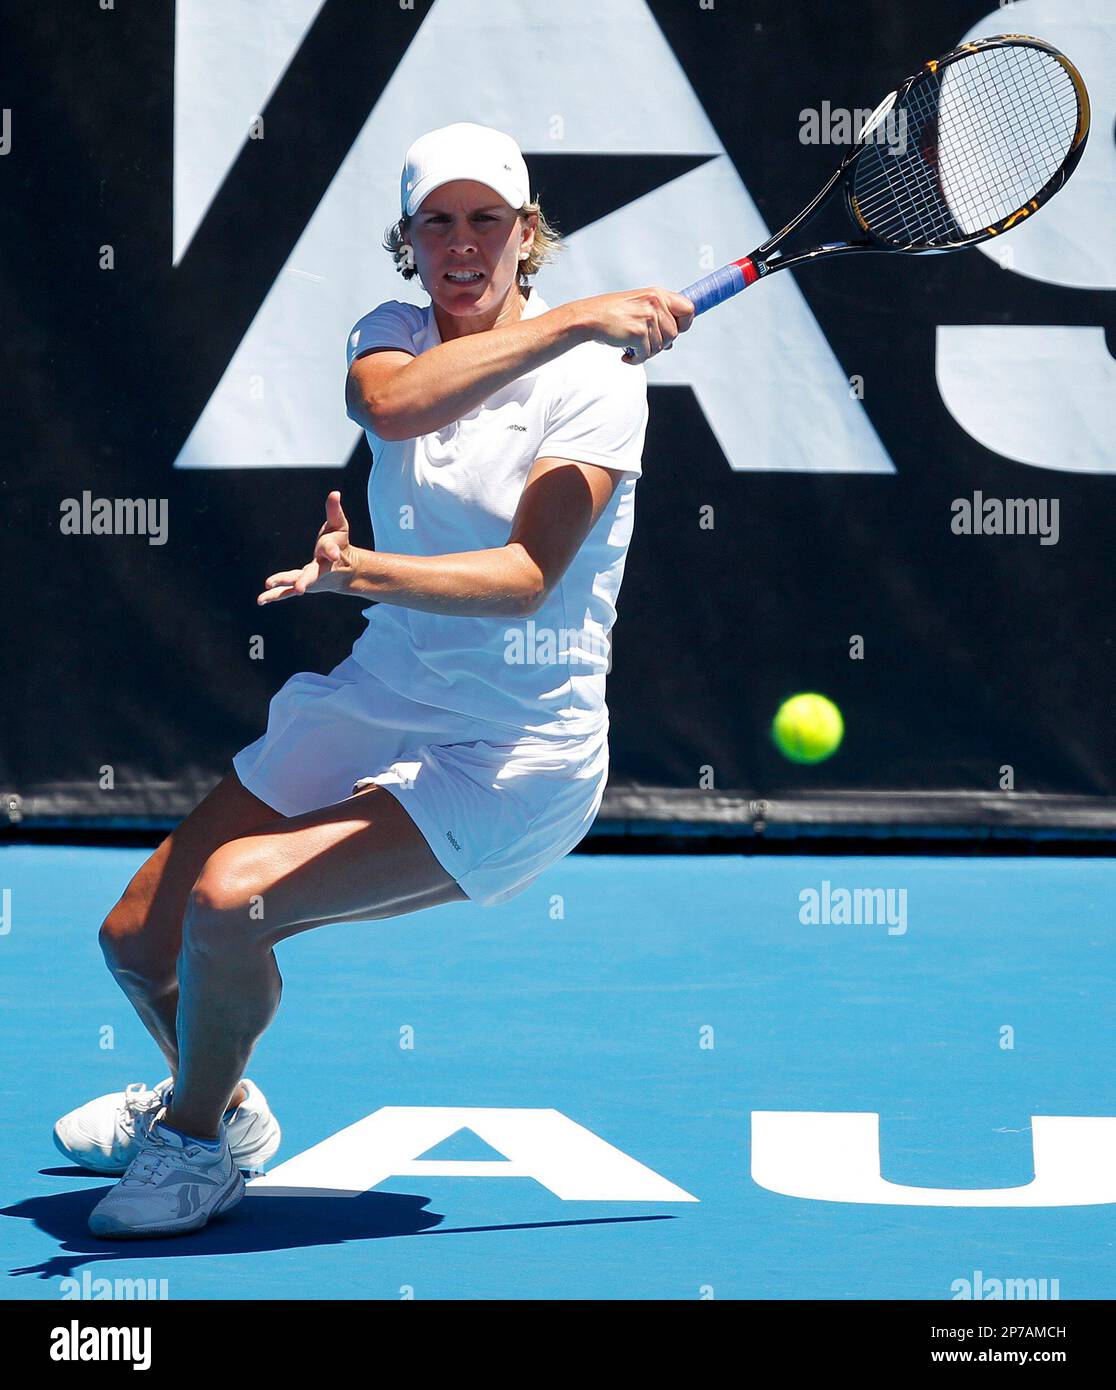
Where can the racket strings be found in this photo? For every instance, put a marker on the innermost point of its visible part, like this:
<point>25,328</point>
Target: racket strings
<point>1030,99</point>
<point>898,193</point>
<point>977,140</point>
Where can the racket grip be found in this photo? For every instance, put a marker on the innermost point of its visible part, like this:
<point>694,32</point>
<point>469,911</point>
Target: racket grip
<point>721,285</point>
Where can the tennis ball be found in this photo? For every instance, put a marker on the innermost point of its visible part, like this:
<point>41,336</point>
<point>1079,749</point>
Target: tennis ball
<point>808,728</point>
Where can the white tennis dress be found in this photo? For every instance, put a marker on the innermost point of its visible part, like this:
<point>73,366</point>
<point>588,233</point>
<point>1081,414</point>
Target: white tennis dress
<point>492,732</point>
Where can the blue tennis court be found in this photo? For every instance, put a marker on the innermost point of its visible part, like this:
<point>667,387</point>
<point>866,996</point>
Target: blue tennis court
<point>618,1045</point>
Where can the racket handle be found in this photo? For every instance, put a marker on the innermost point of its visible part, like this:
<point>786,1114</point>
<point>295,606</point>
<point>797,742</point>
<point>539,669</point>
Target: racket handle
<point>721,285</point>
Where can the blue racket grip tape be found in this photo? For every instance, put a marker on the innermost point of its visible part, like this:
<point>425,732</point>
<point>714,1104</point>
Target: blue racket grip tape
<point>716,288</point>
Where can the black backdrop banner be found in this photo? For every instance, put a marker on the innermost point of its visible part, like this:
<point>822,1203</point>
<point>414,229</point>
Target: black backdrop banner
<point>191,201</point>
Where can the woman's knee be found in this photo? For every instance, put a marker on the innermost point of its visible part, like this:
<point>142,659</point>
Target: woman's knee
<point>134,950</point>
<point>226,909</point>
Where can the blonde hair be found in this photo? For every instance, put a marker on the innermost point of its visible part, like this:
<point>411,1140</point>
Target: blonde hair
<point>547,244</point>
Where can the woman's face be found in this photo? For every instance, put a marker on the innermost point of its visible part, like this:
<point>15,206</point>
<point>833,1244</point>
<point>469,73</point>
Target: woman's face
<point>467,243</point>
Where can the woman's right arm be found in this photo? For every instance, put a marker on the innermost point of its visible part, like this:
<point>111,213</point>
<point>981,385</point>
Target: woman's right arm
<point>400,397</point>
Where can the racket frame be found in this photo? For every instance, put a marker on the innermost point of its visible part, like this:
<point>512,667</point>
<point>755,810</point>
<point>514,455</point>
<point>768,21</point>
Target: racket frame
<point>771,256</point>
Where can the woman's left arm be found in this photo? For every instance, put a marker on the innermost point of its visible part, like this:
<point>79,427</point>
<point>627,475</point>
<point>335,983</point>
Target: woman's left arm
<point>560,505</point>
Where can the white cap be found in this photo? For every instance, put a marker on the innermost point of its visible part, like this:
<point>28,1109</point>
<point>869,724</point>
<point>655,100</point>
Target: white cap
<point>464,151</point>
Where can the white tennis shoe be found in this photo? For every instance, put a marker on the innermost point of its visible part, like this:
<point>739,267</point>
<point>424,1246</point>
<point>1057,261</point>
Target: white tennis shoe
<point>106,1134</point>
<point>174,1185</point>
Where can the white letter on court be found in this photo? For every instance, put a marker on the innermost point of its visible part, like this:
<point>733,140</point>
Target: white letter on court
<point>545,1145</point>
<point>835,1157</point>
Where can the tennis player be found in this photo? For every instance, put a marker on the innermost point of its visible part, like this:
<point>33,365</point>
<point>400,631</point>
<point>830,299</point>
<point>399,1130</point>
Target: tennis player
<point>462,747</point>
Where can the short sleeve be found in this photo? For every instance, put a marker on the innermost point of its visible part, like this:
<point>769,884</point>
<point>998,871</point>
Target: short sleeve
<point>391,325</point>
<point>600,414</point>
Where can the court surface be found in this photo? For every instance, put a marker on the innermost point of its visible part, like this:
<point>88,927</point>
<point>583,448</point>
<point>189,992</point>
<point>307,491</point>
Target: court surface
<point>645,1007</point>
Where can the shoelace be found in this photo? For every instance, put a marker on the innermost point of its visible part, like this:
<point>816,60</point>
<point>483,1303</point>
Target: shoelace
<point>150,1162</point>
<point>138,1101</point>
<point>154,1158</point>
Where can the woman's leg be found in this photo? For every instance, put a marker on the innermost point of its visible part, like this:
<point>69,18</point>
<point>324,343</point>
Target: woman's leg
<point>359,859</point>
<point>142,936</point>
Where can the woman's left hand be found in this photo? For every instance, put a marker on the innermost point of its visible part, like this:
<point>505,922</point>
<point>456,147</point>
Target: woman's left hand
<point>331,568</point>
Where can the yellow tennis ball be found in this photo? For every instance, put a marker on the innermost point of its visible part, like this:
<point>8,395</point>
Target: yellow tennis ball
<point>808,728</point>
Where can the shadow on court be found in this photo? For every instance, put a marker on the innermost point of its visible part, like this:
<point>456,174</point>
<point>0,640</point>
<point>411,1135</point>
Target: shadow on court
<point>280,1219</point>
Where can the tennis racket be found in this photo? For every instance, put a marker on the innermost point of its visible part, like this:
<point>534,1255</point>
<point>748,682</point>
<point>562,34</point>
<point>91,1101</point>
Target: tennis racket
<point>970,146</point>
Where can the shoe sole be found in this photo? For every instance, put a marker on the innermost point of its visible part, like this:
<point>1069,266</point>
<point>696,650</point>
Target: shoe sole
<point>231,1197</point>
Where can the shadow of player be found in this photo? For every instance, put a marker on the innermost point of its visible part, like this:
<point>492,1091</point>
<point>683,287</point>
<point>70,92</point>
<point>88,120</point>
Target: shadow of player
<point>273,1219</point>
